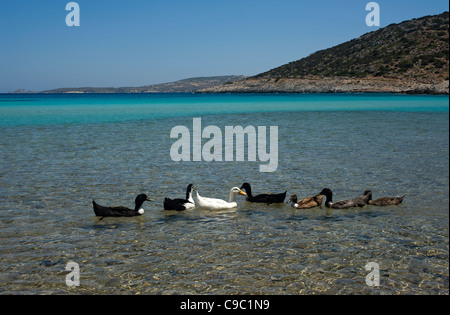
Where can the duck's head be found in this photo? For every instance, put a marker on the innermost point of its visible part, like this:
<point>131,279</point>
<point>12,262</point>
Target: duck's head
<point>326,192</point>
<point>367,193</point>
<point>237,191</point>
<point>189,190</point>
<point>292,199</point>
<point>246,186</point>
<point>140,199</point>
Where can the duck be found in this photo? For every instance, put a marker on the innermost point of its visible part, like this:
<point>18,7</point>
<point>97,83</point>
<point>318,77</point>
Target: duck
<point>263,198</point>
<point>305,203</point>
<point>360,201</point>
<point>101,211</point>
<point>218,204</point>
<point>387,201</point>
<point>181,204</point>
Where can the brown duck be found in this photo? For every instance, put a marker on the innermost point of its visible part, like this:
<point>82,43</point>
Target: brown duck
<point>386,201</point>
<point>305,203</point>
<point>360,201</point>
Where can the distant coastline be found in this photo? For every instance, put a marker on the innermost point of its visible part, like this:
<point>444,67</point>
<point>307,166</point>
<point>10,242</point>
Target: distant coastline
<point>190,85</point>
<point>293,86</point>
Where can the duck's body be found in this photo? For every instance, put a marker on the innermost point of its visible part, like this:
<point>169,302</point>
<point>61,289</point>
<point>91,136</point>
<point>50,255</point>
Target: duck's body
<point>263,198</point>
<point>181,204</point>
<point>102,211</point>
<point>219,204</point>
<point>386,201</point>
<point>305,203</point>
<point>360,201</point>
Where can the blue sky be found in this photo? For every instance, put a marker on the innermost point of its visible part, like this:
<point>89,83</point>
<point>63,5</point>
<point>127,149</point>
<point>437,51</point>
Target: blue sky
<point>140,42</point>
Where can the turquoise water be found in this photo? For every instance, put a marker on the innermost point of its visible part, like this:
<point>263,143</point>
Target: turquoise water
<point>76,109</point>
<point>58,152</point>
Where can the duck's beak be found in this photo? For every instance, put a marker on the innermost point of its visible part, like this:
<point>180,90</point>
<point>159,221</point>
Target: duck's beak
<point>242,193</point>
<point>148,199</point>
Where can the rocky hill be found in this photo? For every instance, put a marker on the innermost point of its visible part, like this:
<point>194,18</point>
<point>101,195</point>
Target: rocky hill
<point>409,57</point>
<point>183,86</point>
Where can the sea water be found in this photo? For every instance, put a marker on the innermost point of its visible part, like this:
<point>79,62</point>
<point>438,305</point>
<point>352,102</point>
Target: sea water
<point>59,152</point>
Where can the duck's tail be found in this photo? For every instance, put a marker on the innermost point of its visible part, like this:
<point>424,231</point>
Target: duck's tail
<point>166,203</point>
<point>96,208</point>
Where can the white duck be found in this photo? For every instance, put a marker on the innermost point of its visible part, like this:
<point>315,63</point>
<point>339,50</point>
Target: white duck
<point>218,204</point>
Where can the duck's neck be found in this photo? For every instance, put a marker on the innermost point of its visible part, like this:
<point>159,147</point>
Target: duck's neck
<point>189,197</point>
<point>329,200</point>
<point>248,190</point>
<point>232,197</point>
<point>368,196</point>
<point>138,205</point>
<point>292,202</point>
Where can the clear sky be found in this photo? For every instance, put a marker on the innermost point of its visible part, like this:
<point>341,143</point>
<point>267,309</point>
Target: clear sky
<point>140,42</point>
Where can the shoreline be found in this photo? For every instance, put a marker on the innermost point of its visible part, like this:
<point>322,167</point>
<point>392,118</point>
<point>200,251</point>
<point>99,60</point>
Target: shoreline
<point>289,86</point>
<point>332,86</point>
<point>273,92</point>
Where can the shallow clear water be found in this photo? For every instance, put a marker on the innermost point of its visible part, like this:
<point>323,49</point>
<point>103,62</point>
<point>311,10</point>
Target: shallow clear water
<point>41,109</point>
<point>52,168</point>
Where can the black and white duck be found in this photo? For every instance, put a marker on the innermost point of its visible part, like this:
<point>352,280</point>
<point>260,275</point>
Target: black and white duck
<point>102,211</point>
<point>181,204</point>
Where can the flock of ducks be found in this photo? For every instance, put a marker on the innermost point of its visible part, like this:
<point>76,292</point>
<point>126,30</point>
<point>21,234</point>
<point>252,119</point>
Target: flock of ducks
<point>218,204</point>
